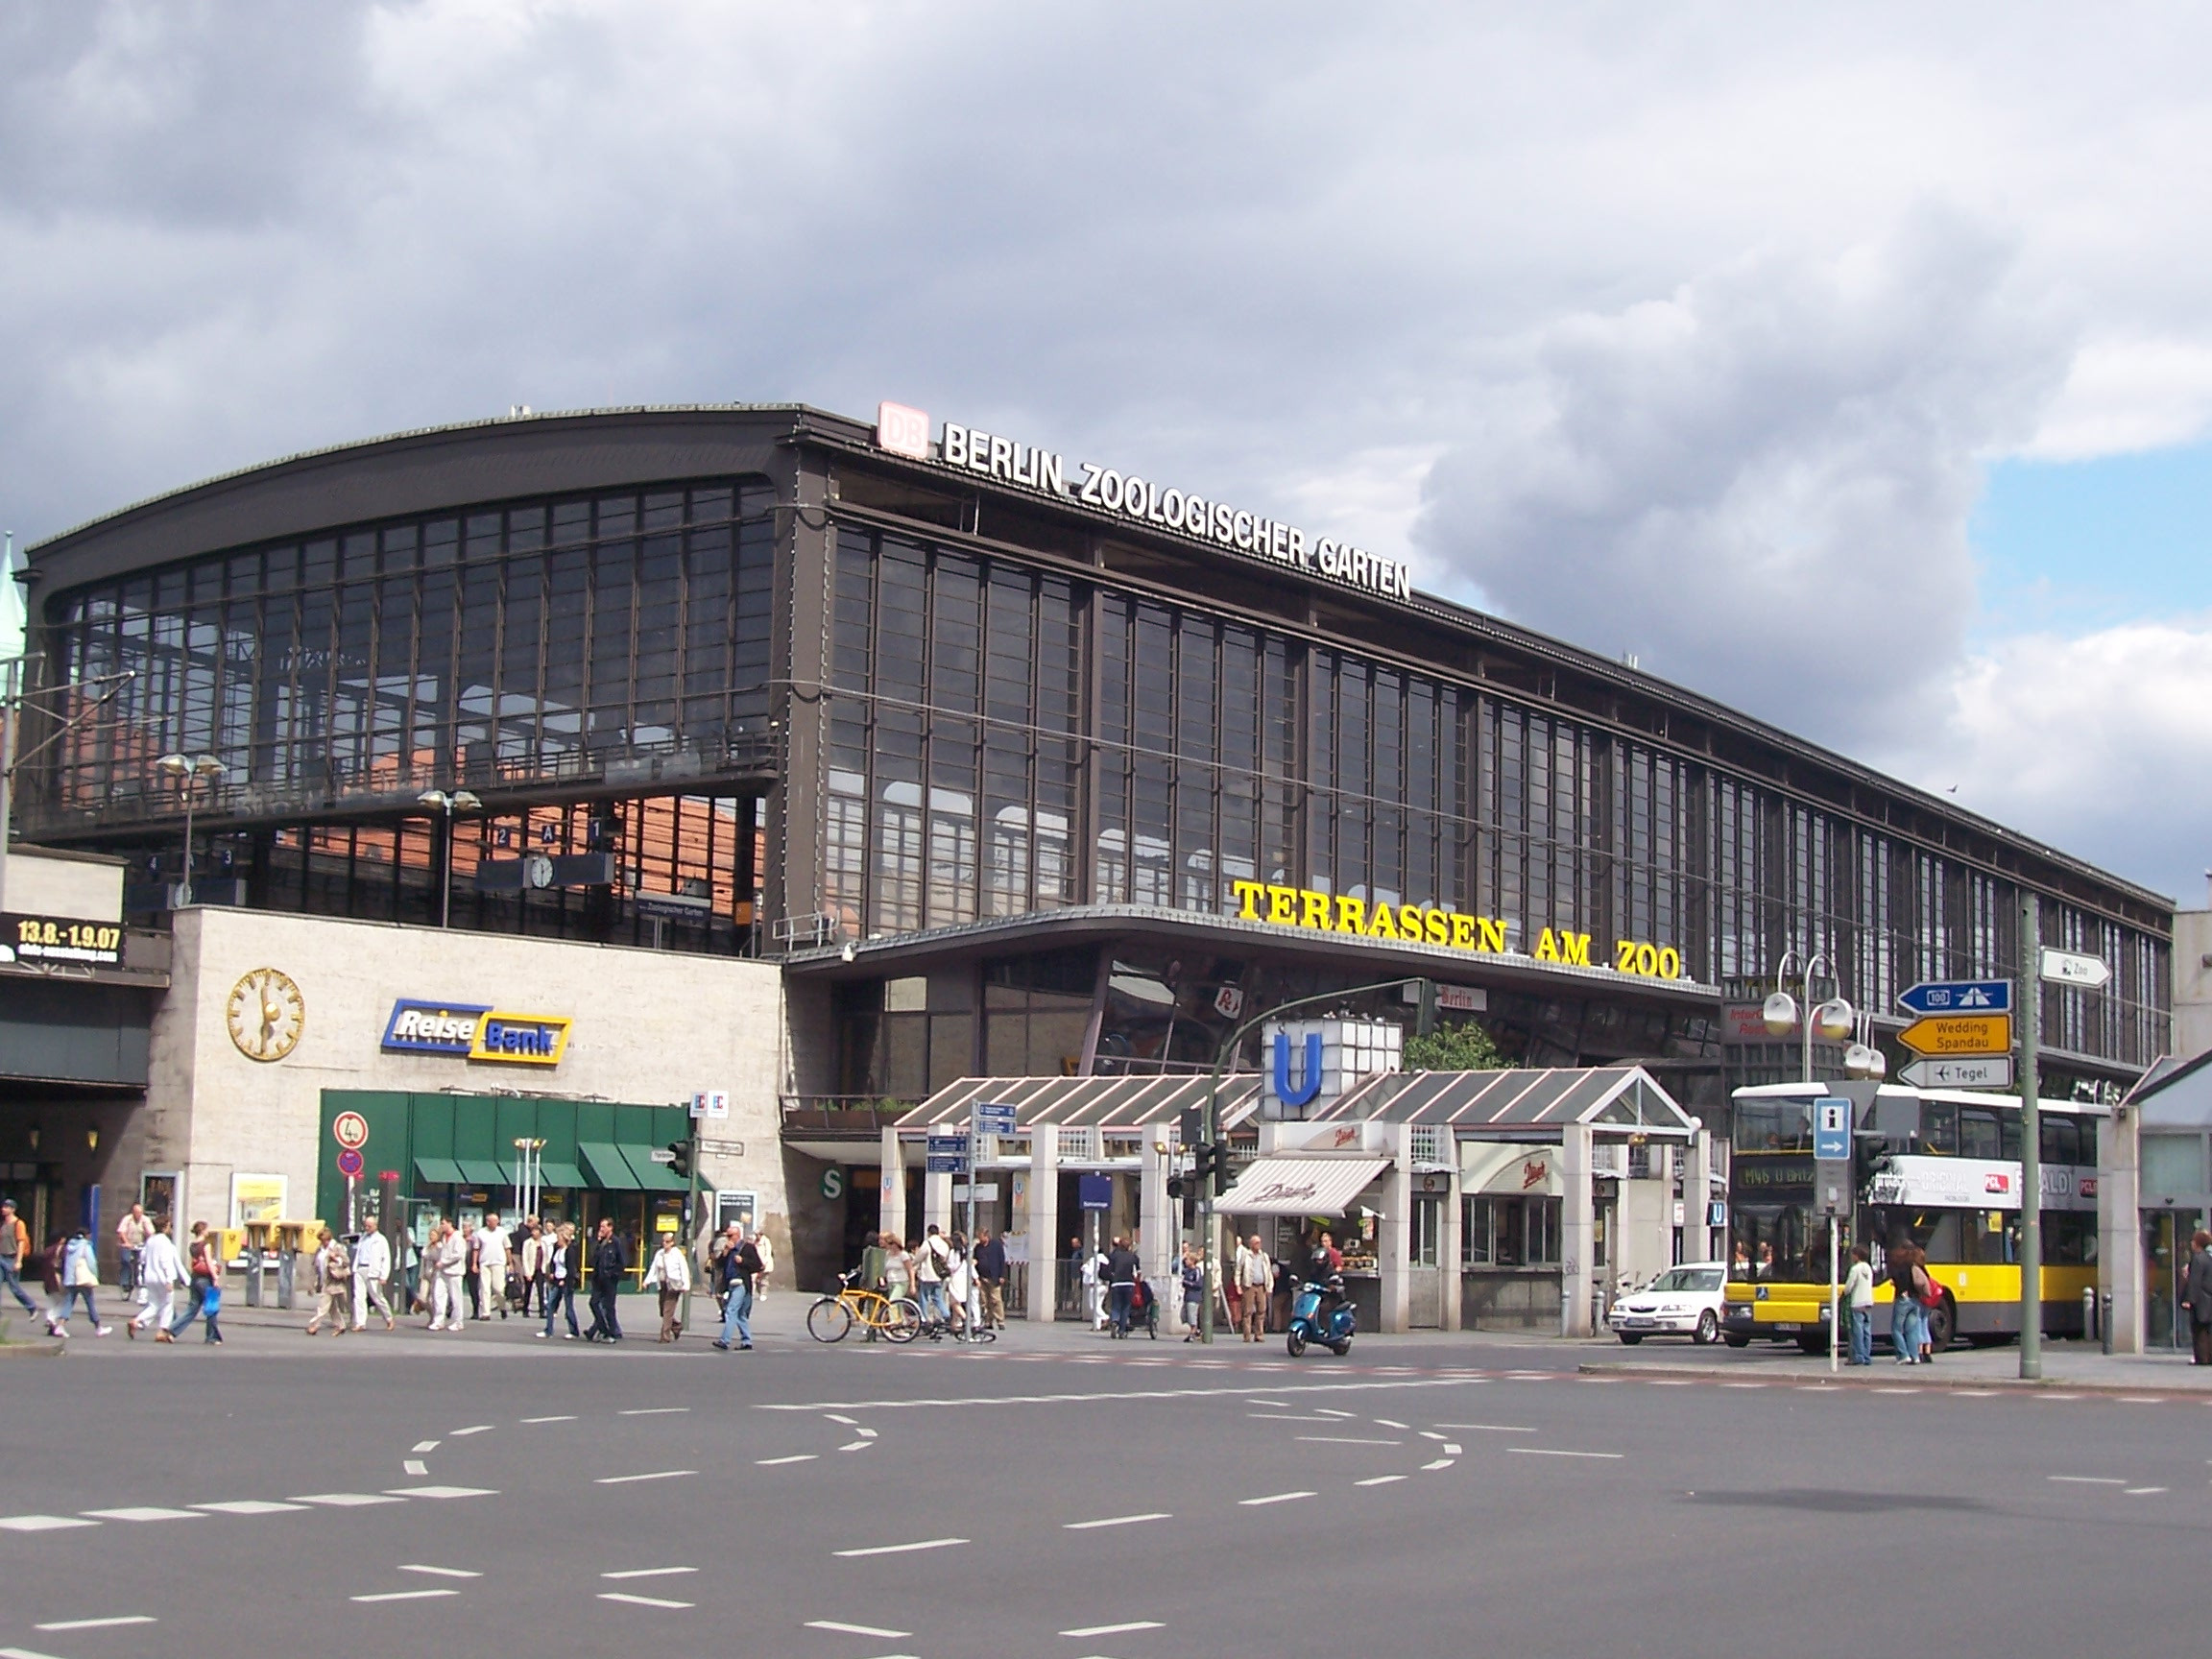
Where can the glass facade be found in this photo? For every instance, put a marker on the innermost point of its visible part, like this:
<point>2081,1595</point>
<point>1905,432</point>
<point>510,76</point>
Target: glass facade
<point>492,645</point>
<point>1003,741</point>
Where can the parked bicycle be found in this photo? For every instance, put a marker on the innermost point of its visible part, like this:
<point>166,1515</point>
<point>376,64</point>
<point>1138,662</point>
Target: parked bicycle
<point>833,1314</point>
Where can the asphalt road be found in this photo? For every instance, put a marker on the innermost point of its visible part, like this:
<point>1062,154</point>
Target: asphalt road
<point>1062,1495</point>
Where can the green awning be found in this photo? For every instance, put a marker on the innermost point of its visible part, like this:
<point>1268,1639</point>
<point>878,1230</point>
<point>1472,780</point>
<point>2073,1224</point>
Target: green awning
<point>556,1176</point>
<point>486,1172</point>
<point>438,1173</point>
<point>654,1177</point>
<point>609,1169</point>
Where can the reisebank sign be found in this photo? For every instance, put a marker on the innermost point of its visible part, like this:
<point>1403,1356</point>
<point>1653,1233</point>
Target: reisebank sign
<point>905,431</point>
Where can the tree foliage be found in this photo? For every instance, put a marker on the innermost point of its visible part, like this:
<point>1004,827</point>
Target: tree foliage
<point>1464,1046</point>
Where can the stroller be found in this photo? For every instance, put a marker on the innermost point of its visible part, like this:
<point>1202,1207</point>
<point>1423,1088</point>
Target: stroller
<point>1143,1310</point>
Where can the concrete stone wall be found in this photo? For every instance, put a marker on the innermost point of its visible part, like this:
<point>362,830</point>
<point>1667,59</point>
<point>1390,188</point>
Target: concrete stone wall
<point>82,886</point>
<point>649,1028</point>
<point>2192,982</point>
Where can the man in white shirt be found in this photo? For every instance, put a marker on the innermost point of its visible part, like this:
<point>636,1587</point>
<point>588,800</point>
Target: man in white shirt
<point>130,1236</point>
<point>1255,1280</point>
<point>448,1260</point>
<point>160,1270</point>
<point>492,1263</point>
<point>372,1268</point>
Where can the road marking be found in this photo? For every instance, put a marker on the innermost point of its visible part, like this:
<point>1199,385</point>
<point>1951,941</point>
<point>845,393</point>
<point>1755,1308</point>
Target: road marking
<point>865,1434</point>
<point>1548,1452</point>
<point>1271,1404</point>
<point>657,1475</point>
<point>902,1548</point>
<point>672,1571</point>
<point>2056,1396</point>
<point>1896,1390</point>
<point>855,1629</point>
<point>910,1403</point>
<point>1343,1440</point>
<point>1332,1411</point>
<point>1286,1417</point>
<point>1272,1498</point>
<point>1116,1629</point>
<point>1381,1480</point>
<point>347,1500</point>
<point>853,1445</point>
<point>654,1411</point>
<point>1665,1381</point>
<point>415,1466</point>
<point>22,1653</point>
<point>1431,1434</point>
<point>145,1512</point>
<point>642,1601</point>
<point>1440,1463</point>
<point>1387,1423</point>
<point>424,1446</point>
<point>247,1506</point>
<point>1452,1448</point>
<point>432,1491</point>
<point>1743,1384</point>
<point>2140,1400</point>
<point>1491,1428</point>
<point>2089,1479</point>
<point>472,1429</point>
<point>437,1571</point>
<point>404,1596</point>
<point>2143,1491</point>
<point>1111,1521</point>
<point>1975,1393</point>
<point>97,1624</point>
<point>568,1419</point>
<point>848,1422</point>
<point>42,1523</point>
<point>797,1458</point>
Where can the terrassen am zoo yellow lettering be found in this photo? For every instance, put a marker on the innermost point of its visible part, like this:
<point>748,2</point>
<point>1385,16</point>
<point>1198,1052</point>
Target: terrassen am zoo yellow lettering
<point>1430,924</point>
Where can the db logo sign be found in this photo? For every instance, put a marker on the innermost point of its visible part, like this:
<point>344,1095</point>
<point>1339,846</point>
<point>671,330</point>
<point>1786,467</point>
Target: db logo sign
<point>901,430</point>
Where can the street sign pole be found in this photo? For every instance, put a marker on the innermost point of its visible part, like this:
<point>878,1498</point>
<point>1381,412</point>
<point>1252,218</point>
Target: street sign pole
<point>1831,1150</point>
<point>974,1159</point>
<point>2031,1143</point>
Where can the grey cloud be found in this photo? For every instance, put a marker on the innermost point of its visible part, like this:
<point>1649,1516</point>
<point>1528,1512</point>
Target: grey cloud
<point>1760,484</point>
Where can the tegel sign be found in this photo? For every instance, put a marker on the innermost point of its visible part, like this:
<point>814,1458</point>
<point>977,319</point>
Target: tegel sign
<point>905,431</point>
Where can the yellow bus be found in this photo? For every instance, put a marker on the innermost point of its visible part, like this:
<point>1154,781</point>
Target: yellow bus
<point>1939,1169</point>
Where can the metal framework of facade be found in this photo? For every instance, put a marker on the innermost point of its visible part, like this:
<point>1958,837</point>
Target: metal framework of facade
<point>1105,1103</point>
<point>1625,1098</point>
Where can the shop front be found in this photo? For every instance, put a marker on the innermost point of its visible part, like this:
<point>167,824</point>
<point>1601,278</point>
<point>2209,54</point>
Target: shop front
<point>1293,1204</point>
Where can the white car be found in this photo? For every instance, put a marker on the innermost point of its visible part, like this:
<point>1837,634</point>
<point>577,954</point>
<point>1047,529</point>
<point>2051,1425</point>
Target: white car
<point>1683,1301</point>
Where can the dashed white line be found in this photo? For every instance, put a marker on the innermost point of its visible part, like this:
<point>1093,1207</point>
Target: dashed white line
<point>145,1512</point>
<point>1332,1411</point>
<point>42,1523</point>
<point>97,1624</point>
<point>1111,1521</point>
<point>1285,1417</point>
<point>2088,1479</point>
<point>865,1434</point>
<point>1431,1434</point>
<point>347,1500</point>
<point>1381,1480</point>
<point>913,1402</point>
<point>567,1419</point>
<point>1440,1463</point>
<point>247,1506</point>
<point>795,1457</point>
<point>22,1653</point>
<point>853,1445</point>
<point>472,1429</point>
<point>656,1475</point>
<point>2143,1491</point>
<point>902,1548</point>
<point>848,1422</point>
<point>424,1446</point>
<point>437,1571</point>
<point>1116,1629</point>
<point>642,1601</point>
<point>1549,1451</point>
<point>1344,1440</point>
<point>1452,1448</point>
<point>1491,1428</point>
<point>855,1629</point>
<point>1272,1498</point>
<point>654,1411</point>
<point>431,1492</point>
<point>415,1466</point>
<point>404,1596</point>
<point>671,1573</point>
<point>1975,1393</point>
<point>1387,1423</point>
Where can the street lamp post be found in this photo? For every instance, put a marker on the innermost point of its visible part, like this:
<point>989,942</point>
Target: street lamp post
<point>187,770</point>
<point>446,806</point>
<point>1835,1018</point>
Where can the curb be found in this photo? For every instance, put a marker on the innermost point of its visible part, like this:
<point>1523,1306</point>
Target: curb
<point>39,1350</point>
<point>1839,1380</point>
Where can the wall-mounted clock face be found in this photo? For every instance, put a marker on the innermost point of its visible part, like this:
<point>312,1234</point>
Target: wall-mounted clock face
<point>537,870</point>
<point>266,1015</point>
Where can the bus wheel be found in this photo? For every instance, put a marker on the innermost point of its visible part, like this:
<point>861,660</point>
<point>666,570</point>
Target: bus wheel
<point>1942,1324</point>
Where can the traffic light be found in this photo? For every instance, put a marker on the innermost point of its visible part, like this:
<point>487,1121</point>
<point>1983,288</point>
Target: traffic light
<point>1424,1022</point>
<point>680,1158</point>
<point>1211,1165</point>
<point>1869,1157</point>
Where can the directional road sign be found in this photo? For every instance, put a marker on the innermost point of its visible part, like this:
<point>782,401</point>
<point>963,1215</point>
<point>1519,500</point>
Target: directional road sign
<point>994,1118</point>
<point>1959,996</point>
<point>2072,968</point>
<point>1992,1072</point>
<point>1832,1130</point>
<point>948,1155</point>
<point>1956,1034</point>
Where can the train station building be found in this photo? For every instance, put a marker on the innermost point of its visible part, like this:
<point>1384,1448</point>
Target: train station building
<point>544,774</point>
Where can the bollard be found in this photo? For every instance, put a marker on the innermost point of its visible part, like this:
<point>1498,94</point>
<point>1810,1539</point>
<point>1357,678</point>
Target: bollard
<point>1597,1309</point>
<point>2105,1325</point>
<point>252,1274</point>
<point>2089,1314</point>
<point>287,1274</point>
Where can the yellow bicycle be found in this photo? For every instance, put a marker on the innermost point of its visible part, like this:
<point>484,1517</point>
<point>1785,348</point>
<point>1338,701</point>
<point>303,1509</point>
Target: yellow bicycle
<point>899,1318</point>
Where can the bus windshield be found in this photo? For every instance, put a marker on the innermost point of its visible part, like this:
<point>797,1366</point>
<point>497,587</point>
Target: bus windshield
<point>1773,1126</point>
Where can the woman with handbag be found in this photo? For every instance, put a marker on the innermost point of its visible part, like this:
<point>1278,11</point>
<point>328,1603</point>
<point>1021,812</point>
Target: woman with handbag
<point>1906,1310</point>
<point>1931,1299</point>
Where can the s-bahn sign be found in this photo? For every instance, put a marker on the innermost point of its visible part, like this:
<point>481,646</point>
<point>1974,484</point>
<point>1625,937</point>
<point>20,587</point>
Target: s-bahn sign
<point>1433,925</point>
<point>904,431</point>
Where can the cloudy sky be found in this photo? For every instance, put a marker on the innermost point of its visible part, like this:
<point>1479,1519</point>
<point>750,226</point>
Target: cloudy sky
<point>1852,364</point>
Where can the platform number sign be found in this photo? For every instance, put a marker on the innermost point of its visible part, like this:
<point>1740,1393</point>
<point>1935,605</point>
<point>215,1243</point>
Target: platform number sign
<point>1831,1131</point>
